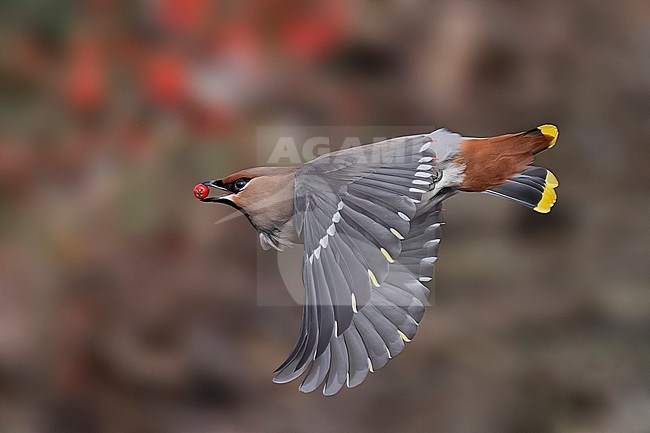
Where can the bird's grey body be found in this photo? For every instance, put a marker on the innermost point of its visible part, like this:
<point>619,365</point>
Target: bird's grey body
<point>330,173</point>
<point>370,220</point>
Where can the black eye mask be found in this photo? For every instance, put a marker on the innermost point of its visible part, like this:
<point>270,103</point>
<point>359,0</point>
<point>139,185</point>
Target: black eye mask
<point>234,186</point>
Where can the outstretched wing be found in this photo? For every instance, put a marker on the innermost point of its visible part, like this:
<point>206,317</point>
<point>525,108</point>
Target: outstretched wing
<point>366,234</point>
<point>390,319</point>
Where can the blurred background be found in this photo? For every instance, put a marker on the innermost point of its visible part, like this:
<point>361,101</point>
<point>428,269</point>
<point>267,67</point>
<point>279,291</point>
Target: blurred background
<point>124,308</point>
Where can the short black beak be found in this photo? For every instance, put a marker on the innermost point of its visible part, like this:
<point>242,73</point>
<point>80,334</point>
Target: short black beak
<point>218,185</point>
<point>214,184</point>
<point>221,199</point>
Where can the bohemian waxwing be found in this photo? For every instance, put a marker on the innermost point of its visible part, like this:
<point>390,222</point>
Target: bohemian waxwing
<point>370,221</point>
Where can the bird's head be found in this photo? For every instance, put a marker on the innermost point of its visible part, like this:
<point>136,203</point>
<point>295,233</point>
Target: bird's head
<point>263,194</point>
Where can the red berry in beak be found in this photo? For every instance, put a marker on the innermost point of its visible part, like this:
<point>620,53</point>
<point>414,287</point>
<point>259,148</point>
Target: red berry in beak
<point>201,191</point>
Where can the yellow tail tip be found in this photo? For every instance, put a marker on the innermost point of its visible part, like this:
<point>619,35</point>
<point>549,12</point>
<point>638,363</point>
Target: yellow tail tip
<point>551,180</point>
<point>549,197</point>
<point>551,132</point>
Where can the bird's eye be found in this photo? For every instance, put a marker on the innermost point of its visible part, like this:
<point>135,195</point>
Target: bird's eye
<point>240,184</point>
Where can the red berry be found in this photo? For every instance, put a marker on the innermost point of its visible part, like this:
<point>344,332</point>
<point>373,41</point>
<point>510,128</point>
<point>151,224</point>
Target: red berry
<point>201,191</point>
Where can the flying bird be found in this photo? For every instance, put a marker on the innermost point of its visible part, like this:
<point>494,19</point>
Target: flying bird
<point>370,219</point>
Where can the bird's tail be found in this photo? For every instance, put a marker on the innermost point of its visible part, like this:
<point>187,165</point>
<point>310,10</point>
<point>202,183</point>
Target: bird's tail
<point>534,188</point>
<point>501,166</point>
